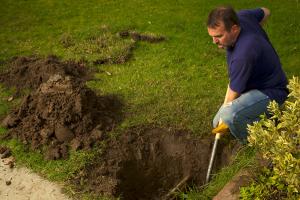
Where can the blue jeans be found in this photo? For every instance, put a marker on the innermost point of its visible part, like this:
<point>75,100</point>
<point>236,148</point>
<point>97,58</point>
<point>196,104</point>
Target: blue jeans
<point>242,111</point>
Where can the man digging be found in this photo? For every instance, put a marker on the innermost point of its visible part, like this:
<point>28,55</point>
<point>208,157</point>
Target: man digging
<point>254,69</point>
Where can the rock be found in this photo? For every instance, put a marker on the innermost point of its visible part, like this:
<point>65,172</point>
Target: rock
<point>10,99</point>
<point>8,182</point>
<point>63,134</point>
<point>6,153</point>
<point>231,191</point>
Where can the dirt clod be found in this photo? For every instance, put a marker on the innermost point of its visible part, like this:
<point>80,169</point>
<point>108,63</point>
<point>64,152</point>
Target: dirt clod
<point>6,153</point>
<point>3,149</point>
<point>11,164</point>
<point>8,182</point>
<point>63,134</point>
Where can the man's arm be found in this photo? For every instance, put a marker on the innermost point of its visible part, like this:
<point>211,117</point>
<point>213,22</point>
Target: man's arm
<point>267,13</point>
<point>230,95</point>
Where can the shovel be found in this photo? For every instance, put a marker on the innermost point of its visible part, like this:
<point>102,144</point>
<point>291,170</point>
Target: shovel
<point>219,130</point>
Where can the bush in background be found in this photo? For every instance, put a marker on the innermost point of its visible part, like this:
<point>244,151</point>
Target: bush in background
<point>278,140</point>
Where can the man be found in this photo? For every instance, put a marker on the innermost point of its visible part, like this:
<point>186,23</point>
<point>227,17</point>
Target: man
<point>255,73</point>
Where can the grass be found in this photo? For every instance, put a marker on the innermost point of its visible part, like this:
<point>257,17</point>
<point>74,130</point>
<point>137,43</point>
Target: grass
<point>55,170</point>
<point>4,95</point>
<point>179,82</point>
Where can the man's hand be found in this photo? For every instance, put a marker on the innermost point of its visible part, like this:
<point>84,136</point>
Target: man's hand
<point>222,128</point>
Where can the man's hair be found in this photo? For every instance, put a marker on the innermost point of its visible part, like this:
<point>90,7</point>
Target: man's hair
<point>225,14</point>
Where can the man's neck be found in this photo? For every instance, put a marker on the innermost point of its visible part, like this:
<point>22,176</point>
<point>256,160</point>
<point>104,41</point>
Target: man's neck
<point>235,38</point>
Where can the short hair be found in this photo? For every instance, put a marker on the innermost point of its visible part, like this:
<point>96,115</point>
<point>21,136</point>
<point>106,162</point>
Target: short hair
<point>225,14</point>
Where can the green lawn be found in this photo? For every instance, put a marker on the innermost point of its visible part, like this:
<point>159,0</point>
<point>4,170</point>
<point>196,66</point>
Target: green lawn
<point>179,82</point>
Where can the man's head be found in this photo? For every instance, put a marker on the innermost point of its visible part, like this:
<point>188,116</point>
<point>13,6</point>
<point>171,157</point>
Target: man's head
<point>223,26</point>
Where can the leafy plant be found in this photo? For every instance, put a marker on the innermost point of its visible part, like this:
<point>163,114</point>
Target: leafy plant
<point>278,139</point>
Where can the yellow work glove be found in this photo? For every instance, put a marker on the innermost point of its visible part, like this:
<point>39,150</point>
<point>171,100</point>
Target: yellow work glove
<point>222,128</point>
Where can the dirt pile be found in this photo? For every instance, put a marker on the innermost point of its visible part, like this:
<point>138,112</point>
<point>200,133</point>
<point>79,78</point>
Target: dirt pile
<point>62,113</point>
<point>29,72</point>
<point>150,164</point>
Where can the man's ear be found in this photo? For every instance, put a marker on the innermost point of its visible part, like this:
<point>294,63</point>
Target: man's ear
<point>234,28</point>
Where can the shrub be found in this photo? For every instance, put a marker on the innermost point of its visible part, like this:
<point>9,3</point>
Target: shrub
<point>278,139</point>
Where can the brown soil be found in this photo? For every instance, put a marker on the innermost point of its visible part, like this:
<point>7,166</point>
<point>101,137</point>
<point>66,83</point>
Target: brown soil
<point>150,164</point>
<point>62,112</point>
<point>29,72</point>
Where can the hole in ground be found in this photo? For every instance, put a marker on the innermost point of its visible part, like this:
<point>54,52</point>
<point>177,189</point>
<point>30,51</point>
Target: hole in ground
<point>150,164</point>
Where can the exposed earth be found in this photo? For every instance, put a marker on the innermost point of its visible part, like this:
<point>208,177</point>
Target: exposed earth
<point>29,72</point>
<point>61,113</point>
<point>151,163</point>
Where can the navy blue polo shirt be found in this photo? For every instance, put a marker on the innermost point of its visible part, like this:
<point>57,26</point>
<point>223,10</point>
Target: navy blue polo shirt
<point>253,62</point>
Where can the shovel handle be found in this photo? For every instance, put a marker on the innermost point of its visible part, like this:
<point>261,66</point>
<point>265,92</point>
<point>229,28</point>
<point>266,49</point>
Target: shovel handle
<point>212,157</point>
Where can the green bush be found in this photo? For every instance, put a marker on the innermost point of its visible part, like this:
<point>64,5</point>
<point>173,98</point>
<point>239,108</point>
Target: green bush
<point>278,139</point>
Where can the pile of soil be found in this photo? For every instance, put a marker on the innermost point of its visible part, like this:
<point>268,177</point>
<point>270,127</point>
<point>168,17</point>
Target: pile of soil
<point>29,72</point>
<point>62,113</point>
<point>150,164</point>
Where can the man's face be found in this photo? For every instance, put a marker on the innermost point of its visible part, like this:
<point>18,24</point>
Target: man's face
<point>221,37</point>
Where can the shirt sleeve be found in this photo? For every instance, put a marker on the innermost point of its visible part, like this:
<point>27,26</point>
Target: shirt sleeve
<point>258,14</point>
<point>240,71</point>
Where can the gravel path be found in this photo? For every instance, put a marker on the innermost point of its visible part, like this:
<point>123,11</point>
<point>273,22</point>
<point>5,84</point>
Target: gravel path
<point>22,184</point>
